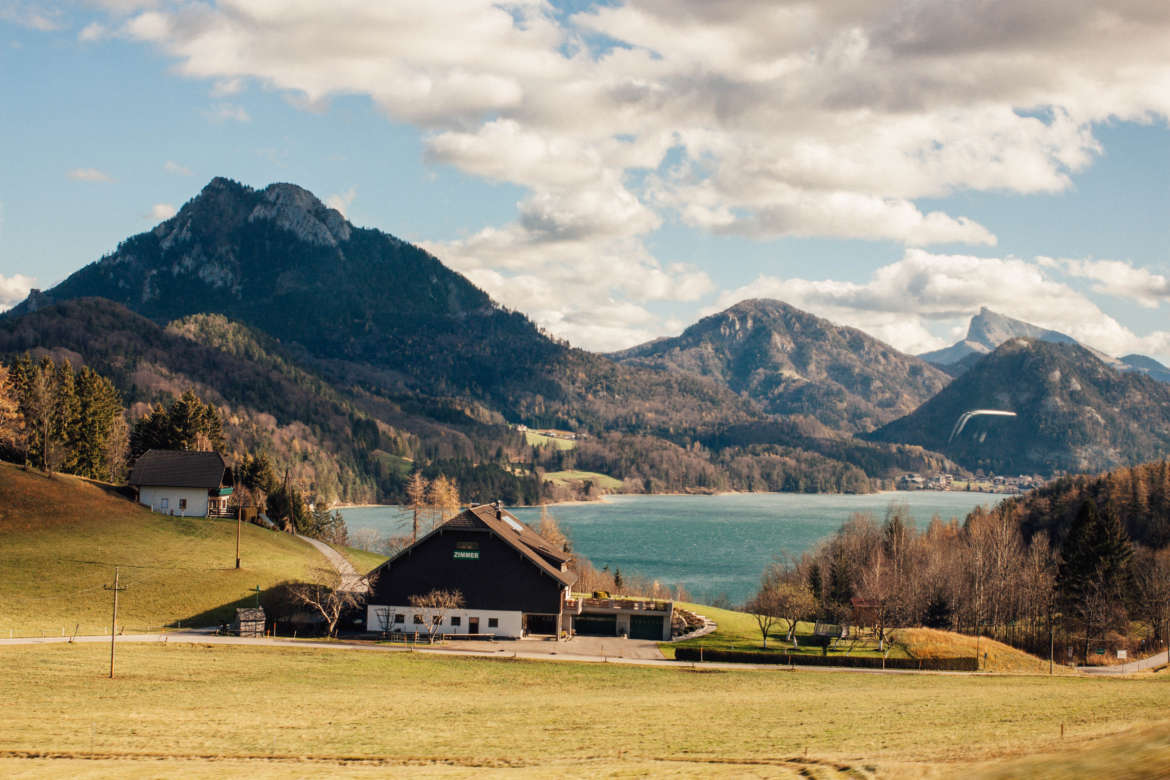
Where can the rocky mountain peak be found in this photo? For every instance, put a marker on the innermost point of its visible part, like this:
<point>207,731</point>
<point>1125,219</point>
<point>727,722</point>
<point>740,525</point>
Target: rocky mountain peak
<point>296,209</point>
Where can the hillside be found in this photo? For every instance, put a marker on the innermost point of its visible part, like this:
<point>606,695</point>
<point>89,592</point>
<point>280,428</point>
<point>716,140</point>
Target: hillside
<point>791,362</point>
<point>1074,413</point>
<point>64,536</point>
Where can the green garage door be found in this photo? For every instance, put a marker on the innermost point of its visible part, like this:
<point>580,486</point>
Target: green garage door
<point>646,627</point>
<point>595,625</point>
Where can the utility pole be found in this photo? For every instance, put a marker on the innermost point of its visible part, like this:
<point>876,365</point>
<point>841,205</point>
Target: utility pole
<point>239,523</point>
<point>114,620</point>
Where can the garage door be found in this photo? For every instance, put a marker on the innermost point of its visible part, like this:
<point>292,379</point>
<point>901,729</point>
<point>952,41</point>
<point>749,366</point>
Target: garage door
<point>646,627</point>
<point>596,625</point>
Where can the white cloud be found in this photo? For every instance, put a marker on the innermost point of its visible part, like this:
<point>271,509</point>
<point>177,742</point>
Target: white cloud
<point>341,201</point>
<point>227,88</point>
<point>34,16</point>
<point>1117,278</point>
<point>94,31</point>
<point>171,166</point>
<point>227,112</point>
<point>89,174</point>
<point>162,211</point>
<point>736,117</point>
<point>14,289</point>
<point>905,303</point>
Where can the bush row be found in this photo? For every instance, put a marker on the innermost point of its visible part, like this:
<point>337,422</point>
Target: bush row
<point>970,664</point>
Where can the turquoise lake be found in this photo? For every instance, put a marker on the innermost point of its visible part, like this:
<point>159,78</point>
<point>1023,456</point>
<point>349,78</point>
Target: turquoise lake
<point>711,545</point>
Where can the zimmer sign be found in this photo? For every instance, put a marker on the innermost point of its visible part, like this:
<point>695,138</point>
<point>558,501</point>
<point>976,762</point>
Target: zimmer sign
<point>466,551</point>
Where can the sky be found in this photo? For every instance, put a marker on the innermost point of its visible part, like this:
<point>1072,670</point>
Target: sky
<point>618,170</point>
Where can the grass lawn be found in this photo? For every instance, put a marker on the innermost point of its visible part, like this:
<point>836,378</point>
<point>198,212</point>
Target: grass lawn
<point>603,481</point>
<point>62,538</point>
<point>361,560</point>
<point>298,712</point>
<point>740,631</point>
<point>540,440</point>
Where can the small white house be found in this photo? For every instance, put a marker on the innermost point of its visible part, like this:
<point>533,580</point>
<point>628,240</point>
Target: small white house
<point>185,484</point>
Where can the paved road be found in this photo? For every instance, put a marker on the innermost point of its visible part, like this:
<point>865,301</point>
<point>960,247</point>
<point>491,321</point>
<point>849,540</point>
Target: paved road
<point>351,581</point>
<point>1153,662</point>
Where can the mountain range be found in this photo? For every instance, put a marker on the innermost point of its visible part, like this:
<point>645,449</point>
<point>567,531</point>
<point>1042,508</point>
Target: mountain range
<point>353,357</point>
<point>988,330</point>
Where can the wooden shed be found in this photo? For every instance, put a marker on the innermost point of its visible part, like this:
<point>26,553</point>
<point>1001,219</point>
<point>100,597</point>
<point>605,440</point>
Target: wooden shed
<point>249,621</point>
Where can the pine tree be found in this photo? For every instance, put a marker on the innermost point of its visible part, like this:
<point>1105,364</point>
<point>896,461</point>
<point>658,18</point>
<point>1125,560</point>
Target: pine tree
<point>99,407</point>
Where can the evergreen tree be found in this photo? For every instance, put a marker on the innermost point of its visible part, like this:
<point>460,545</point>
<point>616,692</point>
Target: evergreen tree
<point>100,407</point>
<point>11,420</point>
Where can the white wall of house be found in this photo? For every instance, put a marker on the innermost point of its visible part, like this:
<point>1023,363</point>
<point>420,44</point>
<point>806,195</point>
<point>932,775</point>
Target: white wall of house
<point>170,500</point>
<point>508,623</point>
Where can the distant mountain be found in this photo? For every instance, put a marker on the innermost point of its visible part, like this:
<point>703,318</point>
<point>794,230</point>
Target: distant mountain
<point>792,362</point>
<point>1148,366</point>
<point>986,332</point>
<point>1074,413</point>
<point>364,308</point>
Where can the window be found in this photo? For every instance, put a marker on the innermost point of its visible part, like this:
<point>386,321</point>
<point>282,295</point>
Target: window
<point>456,620</point>
<point>182,503</point>
<point>436,619</point>
<point>493,622</point>
<point>418,621</point>
<point>164,503</point>
<point>399,618</point>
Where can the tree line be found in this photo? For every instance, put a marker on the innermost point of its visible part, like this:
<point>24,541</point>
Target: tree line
<point>54,419</point>
<point>994,574</point>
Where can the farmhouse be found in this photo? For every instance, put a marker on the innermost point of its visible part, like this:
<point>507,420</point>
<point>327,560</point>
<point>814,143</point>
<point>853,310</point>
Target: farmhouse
<point>513,583</point>
<point>187,484</point>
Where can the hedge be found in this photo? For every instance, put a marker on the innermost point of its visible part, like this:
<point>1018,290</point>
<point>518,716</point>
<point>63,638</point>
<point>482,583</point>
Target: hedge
<point>968,664</point>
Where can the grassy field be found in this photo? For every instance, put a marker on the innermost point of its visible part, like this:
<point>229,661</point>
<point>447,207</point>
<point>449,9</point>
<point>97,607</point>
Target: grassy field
<point>361,560</point>
<point>294,712</point>
<point>603,481</point>
<point>540,440</point>
<point>62,538</point>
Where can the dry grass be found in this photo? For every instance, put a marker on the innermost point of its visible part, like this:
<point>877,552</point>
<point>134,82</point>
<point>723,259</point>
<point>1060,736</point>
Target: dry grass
<point>994,656</point>
<point>181,708</point>
<point>64,536</point>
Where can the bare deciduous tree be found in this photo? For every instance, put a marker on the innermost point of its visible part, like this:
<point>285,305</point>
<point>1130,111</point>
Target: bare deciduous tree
<point>327,597</point>
<point>437,604</point>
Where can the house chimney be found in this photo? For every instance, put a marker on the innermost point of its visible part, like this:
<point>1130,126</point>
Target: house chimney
<point>499,512</point>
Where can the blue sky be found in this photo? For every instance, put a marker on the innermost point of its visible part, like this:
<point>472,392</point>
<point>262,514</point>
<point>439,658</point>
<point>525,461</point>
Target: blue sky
<point>617,171</point>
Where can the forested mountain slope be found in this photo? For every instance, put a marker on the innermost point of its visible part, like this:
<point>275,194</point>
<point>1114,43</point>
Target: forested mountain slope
<point>792,362</point>
<point>1074,413</point>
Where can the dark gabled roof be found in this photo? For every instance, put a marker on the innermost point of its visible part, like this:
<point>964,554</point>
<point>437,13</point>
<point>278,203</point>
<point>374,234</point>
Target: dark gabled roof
<point>177,468</point>
<point>507,527</point>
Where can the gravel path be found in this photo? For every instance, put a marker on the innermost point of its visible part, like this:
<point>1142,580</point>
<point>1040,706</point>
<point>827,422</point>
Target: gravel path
<point>351,581</point>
